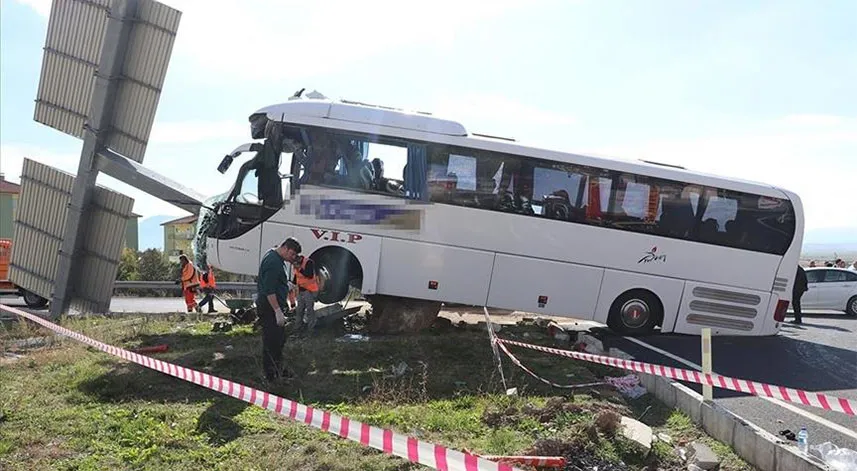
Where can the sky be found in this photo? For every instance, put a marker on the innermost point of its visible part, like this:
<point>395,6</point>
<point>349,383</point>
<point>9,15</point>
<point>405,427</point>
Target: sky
<point>758,90</point>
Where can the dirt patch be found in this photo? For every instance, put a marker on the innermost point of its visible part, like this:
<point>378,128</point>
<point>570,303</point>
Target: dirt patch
<point>578,458</point>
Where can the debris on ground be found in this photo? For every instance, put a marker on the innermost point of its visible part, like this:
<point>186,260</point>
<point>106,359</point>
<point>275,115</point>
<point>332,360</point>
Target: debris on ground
<point>628,385</point>
<point>482,325</point>
<point>836,458</point>
<point>664,438</point>
<point>637,432</point>
<point>578,458</point>
<point>398,370</point>
<point>702,457</point>
<point>607,422</point>
<point>353,338</point>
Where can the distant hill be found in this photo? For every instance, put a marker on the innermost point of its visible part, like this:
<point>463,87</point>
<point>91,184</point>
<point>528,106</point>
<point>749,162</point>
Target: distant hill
<point>151,233</point>
<point>830,241</point>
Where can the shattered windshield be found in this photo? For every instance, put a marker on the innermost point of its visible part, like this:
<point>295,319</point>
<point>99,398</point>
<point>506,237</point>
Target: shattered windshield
<point>204,224</point>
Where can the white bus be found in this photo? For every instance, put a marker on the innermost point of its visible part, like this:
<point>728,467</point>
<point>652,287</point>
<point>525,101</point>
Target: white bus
<point>414,211</point>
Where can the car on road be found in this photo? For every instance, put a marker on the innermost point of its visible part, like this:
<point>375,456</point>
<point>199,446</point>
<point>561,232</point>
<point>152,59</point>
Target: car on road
<point>831,288</point>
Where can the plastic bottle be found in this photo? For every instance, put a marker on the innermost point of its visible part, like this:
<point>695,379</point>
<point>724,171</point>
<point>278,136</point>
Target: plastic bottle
<point>802,441</point>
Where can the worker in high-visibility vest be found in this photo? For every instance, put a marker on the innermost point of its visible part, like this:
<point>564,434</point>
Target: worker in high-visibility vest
<point>189,282</point>
<point>208,284</point>
<point>307,287</point>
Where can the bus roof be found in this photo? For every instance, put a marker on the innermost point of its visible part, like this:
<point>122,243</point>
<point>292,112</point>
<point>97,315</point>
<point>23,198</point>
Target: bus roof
<point>318,110</point>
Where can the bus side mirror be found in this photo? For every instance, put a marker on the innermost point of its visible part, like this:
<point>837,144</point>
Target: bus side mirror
<point>225,163</point>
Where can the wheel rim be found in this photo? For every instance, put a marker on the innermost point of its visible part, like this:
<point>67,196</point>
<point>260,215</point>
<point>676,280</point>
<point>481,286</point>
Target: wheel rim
<point>854,306</point>
<point>635,313</point>
<point>32,298</point>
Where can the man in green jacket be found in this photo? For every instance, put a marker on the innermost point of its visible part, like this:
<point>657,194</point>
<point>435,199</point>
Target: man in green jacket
<point>272,287</point>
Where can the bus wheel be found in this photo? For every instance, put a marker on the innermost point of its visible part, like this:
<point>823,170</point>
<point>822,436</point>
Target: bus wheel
<point>391,315</point>
<point>33,300</point>
<point>635,312</point>
<point>340,269</point>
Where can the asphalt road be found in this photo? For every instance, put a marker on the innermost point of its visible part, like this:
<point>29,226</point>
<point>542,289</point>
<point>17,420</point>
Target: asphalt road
<point>820,355</point>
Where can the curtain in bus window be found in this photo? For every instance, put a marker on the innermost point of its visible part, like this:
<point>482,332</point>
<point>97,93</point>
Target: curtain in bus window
<point>415,172</point>
<point>720,212</point>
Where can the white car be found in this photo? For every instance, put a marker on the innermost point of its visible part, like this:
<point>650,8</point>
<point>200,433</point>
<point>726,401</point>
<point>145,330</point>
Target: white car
<point>831,288</point>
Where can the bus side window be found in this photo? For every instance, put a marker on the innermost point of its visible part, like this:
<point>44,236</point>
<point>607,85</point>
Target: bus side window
<point>677,214</point>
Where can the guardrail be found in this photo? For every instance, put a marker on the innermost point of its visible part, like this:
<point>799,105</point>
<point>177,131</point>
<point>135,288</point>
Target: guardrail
<point>221,285</point>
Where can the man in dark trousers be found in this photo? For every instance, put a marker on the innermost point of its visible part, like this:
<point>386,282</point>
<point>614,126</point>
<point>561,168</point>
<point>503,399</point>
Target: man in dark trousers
<point>800,287</point>
<point>272,288</point>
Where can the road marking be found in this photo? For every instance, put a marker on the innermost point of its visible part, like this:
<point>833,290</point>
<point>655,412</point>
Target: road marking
<point>821,420</point>
<point>796,410</point>
<point>665,353</point>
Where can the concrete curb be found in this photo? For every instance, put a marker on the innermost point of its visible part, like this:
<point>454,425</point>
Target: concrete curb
<point>756,446</point>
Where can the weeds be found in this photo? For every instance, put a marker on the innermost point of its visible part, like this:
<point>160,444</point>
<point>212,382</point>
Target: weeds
<point>68,406</point>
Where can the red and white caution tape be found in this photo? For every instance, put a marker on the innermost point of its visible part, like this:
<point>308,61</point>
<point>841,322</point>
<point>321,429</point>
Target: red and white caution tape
<point>822,401</point>
<point>520,365</point>
<point>414,450</point>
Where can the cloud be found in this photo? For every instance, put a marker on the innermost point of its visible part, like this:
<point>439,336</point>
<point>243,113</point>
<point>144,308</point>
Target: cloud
<point>484,107</point>
<point>816,160</point>
<point>42,7</point>
<point>186,132</point>
<point>256,40</point>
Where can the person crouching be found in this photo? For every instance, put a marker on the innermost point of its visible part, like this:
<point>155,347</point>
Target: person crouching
<point>307,286</point>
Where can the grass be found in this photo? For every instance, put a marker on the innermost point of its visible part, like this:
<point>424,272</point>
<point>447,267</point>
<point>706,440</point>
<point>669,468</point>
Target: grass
<point>69,407</point>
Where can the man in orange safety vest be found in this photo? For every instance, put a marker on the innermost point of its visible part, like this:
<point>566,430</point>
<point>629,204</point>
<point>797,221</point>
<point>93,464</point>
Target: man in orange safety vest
<point>189,282</point>
<point>208,284</point>
<point>307,291</point>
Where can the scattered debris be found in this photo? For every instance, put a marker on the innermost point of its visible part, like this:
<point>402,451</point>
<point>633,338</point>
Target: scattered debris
<point>221,326</point>
<point>353,338</point>
<point>665,438</point>
<point>836,458</point>
<point>482,325</point>
<point>152,349</point>
<point>512,392</point>
<point>398,370</point>
<point>628,385</point>
<point>607,422</point>
<point>9,357</point>
<point>788,435</point>
<point>442,323</point>
<point>218,356</point>
<point>637,432</point>
<point>701,456</point>
<point>593,345</point>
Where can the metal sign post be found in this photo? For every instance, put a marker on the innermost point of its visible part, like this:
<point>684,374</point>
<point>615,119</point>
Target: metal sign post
<point>100,115</point>
<point>102,72</point>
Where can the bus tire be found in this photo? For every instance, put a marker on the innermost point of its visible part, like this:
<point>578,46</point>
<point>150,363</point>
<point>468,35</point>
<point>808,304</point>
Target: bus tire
<point>635,312</point>
<point>851,307</point>
<point>33,300</point>
<point>340,269</point>
<point>395,315</point>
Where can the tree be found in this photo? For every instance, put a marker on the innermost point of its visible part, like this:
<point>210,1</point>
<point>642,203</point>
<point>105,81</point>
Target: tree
<point>129,266</point>
<point>154,267</point>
